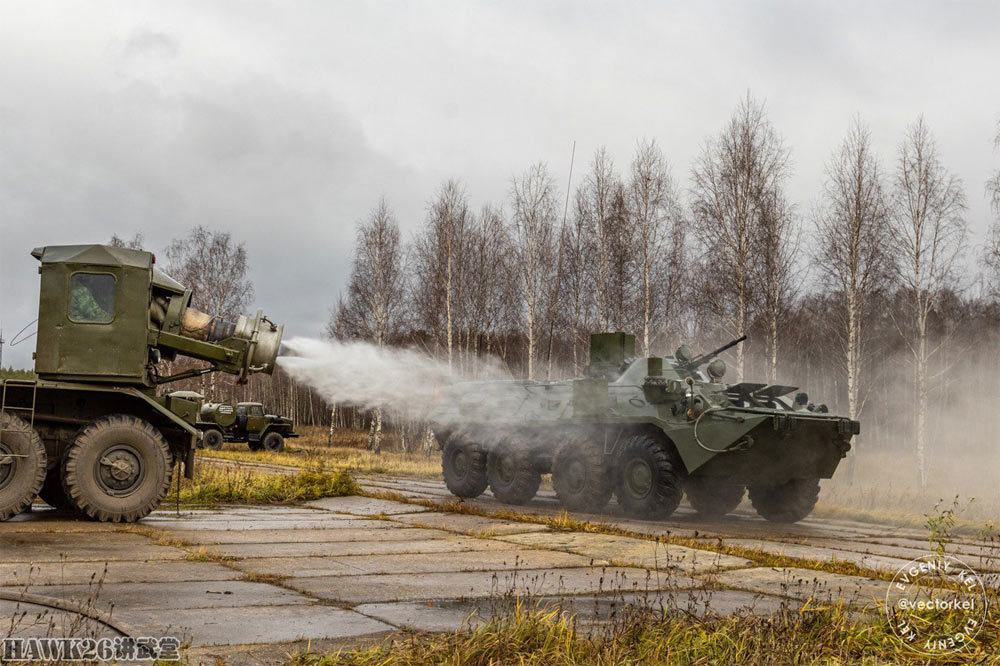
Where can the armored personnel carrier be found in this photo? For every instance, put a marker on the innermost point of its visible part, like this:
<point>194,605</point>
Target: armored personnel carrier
<point>92,432</point>
<point>243,422</point>
<point>646,430</point>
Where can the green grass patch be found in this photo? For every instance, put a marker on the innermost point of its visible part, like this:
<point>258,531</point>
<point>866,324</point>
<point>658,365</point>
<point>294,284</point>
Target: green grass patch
<point>217,485</point>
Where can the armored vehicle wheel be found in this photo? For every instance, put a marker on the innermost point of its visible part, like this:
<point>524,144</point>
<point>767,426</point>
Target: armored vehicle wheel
<point>273,442</point>
<point>52,492</point>
<point>22,465</point>
<point>580,477</point>
<point>650,477</point>
<point>212,439</point>
<point>787,502</point>
<point>511,470</point>
<point>118,469</point>
<point>713,497</point>
<point>464,466</point>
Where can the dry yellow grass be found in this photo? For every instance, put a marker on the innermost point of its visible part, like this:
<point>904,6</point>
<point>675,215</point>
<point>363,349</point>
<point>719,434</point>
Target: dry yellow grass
<point>346,453</point>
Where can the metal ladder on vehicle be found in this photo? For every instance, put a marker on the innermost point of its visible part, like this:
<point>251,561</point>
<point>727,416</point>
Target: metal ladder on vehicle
<point>4,407</point>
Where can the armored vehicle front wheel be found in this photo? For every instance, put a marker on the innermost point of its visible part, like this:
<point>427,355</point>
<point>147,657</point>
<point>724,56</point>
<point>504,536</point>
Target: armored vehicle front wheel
<point>787,502</point>
<point>22,465</point>
<point>650,477</point>
<point>463,464</point>
<point>52,492</point>
<point>118,469</point>
<point>273,442</point>
<point>582,480</point>
<point>511,470</point>
<point>711,497</point>
<point>212,439</point>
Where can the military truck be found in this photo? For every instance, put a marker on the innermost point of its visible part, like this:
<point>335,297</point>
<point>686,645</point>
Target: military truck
<point>646,430</point>
<point>243,422</point>
<point>91,432</point>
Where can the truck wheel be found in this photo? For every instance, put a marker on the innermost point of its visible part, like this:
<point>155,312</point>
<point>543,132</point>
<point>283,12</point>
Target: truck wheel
<point>464,467</point>
<point>118,469</point>
<point>787,502</point>
<point>511,470</point>
<point>22,465</point>
<point>712,497</point>
<point>582,480</point>
<point>52,492</point>
<point>273,442</point>
<point>650,477</point>
<point>212,439</point>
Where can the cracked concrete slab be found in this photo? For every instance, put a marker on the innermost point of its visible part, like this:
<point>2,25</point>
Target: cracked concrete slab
<point>27,620</point>
<point>415,563</point>
<point>365,506</point>
<point>805,584</point>
<point>81,573</point>
<point>806,552</point>
<point>106,547</point>
<point>256,525</point>
<point>258,624</point>
<point>479,526</point>
<point>125,597</point>
<point>371,547</point>
<point>636,552</point>
<point>459,585</point>
<point>386,531</point>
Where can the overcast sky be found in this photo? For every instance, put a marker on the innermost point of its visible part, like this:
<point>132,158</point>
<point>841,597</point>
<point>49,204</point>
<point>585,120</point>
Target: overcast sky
<point>284,122</point>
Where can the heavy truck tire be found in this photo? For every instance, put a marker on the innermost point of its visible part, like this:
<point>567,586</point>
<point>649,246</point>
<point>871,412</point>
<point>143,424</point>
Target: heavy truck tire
<point>712,497</point>
<point>273,442</point>
<point>580,476</point>
<point>212,440</point>
<point>22,465</point>
<point>118,469</point>
<point>787,502</point>
<point>650,477</point>
<point>52,492</point>
<point>463,464</point>
<point>512,473</point>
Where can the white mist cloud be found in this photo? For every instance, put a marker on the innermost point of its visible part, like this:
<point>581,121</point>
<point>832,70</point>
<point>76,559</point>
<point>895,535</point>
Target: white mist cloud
<point>364,375</point>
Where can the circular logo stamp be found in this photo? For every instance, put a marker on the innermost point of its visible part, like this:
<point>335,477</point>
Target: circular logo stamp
<point>936,605</point>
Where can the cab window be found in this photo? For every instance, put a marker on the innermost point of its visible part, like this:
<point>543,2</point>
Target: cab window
<point>92,298</point>
<point>256,410</point>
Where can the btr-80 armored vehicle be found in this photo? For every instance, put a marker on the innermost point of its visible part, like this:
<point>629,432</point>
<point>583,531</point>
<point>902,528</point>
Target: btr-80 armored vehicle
<point>647,430</point>
<point>243,422</point>
<point>91,432</point>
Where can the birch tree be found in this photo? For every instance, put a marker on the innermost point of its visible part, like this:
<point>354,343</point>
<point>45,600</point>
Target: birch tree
<point>439,263</point>
<point>929,231</point>
<point>533,223</point>
<point>657,223</point>
<point>214,267</point>
<point>375,294</point>
<point>991,256</point>
<point>852,233</point>
<point>734,182</point>
<point>776,245</point>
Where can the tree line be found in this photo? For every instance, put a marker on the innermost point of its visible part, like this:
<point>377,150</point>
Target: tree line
<point>877,298</point>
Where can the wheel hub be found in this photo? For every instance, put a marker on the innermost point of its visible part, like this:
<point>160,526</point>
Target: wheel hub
<point>638,478</point>
<point>120,470</point>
